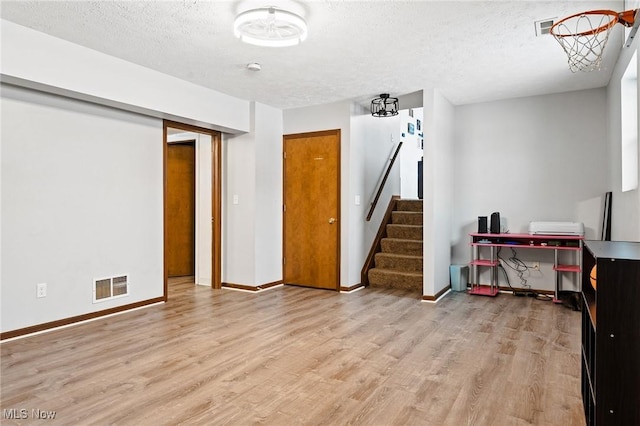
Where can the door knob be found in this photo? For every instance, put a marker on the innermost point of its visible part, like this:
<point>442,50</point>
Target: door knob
<point>332,220</point>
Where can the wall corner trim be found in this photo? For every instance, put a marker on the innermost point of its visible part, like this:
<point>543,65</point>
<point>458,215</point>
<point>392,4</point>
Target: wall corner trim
<point>438,296</point>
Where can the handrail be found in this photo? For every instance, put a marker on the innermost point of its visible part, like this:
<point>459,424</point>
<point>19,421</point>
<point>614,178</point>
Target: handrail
<point>376,246</point>
<point>384,180</point>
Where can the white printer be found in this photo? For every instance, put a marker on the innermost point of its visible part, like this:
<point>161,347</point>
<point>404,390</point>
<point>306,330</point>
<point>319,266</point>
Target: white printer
<point>556,228</point>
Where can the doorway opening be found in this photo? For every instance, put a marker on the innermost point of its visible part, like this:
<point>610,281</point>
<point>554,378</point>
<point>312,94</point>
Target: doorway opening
<point>192,204</point>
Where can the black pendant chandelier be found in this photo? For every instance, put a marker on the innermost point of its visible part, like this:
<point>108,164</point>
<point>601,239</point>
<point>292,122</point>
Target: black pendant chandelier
<point>384,106</point>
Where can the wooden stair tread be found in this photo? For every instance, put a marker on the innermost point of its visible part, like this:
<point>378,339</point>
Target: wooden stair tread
<point>398,272</point>
<point>409,256</point>
<point>408,262</point>
<point>409,205</point>
<point>402,240</point>
<point>406,218</point>
<point>392,278</point>
<point>402,231</point>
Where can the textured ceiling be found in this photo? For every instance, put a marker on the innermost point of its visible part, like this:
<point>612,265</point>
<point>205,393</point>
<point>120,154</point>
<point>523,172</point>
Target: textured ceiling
<point>471,51</point>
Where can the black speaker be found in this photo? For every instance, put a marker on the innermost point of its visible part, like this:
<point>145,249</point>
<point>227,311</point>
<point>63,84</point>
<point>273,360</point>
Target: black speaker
<point>420,179</point>
<point>495,223</point>
<point>482,224</point>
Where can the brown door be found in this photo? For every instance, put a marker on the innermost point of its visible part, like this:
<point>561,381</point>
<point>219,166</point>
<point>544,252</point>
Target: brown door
<point>312,209</point>
<point>181,204</point>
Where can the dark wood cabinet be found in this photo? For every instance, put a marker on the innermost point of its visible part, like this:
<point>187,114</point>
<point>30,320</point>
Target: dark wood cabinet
<point>611,333</point>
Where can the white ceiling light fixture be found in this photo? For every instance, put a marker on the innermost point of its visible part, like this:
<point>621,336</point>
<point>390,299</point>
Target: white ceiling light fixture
<point>270,27</point>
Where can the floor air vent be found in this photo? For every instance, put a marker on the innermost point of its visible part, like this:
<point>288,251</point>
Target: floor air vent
<point>110,288</point>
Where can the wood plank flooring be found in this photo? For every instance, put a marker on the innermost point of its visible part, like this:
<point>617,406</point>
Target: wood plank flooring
<point>295,355</point>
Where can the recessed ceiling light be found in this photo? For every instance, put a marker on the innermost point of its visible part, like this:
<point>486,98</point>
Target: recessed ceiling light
<point>270,26</point>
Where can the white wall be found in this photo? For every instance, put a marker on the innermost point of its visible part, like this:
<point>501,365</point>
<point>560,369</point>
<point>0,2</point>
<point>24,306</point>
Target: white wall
<point>252,194</point>
<point>268,214</point>
<point>238,222</point>
<point>81,199</point>
<point>204,228</point>
<point>625,212</point>
<point>411,100</point>
<point>40,61</point>
<point>541,158</point>
<point>438,181</point>
<point>410,153</point>
<point>252,229</point>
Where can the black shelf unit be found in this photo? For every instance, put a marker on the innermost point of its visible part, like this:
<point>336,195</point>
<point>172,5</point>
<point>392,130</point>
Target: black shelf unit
<point>611,333</point>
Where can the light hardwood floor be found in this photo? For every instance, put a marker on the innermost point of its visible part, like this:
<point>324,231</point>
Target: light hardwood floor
<point>302,356</point>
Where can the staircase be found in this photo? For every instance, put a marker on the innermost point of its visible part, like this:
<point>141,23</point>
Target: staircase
<point>399,263</point>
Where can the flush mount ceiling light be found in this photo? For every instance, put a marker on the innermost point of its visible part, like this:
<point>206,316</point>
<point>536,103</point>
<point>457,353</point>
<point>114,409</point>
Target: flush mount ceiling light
<point>384,106</point>
<point>270,26</point>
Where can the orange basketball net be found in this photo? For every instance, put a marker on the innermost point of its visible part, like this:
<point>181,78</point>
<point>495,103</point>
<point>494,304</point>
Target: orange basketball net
<point>583,36</point>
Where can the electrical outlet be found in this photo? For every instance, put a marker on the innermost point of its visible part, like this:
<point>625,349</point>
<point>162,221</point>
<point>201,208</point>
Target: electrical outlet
<point>41,290</point>
<point>535,266</point>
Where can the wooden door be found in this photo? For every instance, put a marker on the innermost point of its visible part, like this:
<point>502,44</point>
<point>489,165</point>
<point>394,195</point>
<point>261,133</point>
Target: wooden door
<point>312,209</point>
<point>181,205</point>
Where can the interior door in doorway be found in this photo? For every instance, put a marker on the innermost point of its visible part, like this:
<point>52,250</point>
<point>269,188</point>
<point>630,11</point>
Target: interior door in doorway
<point>312,209</point>
<point>181,204</point>
<point>207,212</point>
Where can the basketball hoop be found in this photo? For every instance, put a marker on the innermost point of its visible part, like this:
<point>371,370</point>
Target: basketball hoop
<point>583,36</point>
